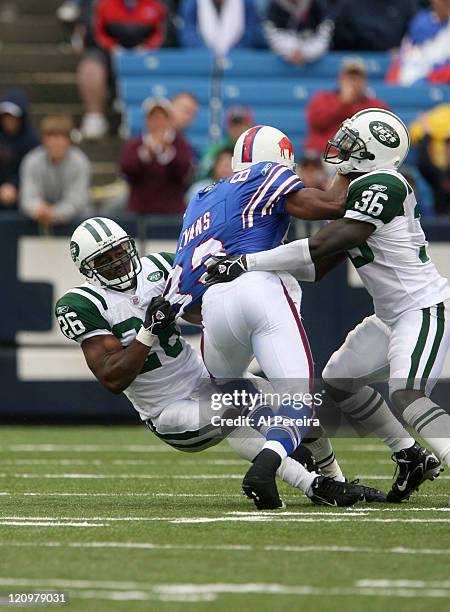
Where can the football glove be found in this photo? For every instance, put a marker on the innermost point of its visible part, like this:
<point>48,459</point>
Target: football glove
<point>224,269</point>
<point>159,316</point>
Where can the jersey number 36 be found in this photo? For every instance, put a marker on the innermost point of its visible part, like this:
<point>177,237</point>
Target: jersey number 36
<point>370,202</point>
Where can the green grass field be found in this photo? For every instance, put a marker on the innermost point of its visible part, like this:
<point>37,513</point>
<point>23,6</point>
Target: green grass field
<point>119,521</point>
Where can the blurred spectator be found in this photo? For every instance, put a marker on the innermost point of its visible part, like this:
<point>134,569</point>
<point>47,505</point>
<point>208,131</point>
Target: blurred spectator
<point>55,177</point>
<point>17,137</point>
<point>328,109</point>
<point>312,170</point>
<point>437,177</point>
<point>221,170</point>
<point>157,164</point>
<point>69,11</point>
<point>435,123</point>
<point>422,190</point>
<point>299,31</point>
<point>371,25</point>
<point>116,23</point>
<point>425,51</point>
<point>185,109</point>
<point>220,25</point>
<point>238,119</point>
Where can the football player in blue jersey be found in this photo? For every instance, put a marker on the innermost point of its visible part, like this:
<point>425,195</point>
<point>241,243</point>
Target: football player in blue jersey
<point>258,314</point>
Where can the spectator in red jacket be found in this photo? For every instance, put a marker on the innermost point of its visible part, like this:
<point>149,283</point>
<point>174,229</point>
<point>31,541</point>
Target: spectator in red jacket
<point>157,164</point>
<point>130,24</point>
<point>328,109</point>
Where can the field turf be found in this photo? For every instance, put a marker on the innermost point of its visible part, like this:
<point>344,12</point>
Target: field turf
<point>119,521</point>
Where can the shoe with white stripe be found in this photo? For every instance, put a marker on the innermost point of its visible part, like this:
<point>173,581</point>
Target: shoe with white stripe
<point>414,466</point>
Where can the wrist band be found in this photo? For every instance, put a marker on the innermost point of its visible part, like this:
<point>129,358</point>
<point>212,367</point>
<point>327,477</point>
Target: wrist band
<point>144,336</point>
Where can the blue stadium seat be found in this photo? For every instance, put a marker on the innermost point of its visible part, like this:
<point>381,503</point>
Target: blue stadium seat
<point>133,90</point>
<point>264,63</point>
<point>271,91</point>
<point>419,97</point>
<point>164,62</point>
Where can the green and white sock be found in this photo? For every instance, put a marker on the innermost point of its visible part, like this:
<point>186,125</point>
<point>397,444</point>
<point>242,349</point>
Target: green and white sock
<point>323,454</point>
<point>433,423</point>
<point>369,408</point>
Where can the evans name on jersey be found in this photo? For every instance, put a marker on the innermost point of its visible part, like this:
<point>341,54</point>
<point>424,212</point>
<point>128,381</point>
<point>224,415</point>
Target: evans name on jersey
<point>242,214</point>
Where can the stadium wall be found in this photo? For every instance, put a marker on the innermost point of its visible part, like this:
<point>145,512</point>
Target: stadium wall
<point>42,374</point>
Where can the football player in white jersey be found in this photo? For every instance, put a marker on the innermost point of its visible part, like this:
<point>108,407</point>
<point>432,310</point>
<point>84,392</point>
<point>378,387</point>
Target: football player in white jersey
<point>131,343</point>
<point>407,339</point>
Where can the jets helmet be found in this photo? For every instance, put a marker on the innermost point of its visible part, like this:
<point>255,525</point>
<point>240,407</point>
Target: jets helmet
<point>373,139</point>
<point>92,240</point>
<point>262,143</point>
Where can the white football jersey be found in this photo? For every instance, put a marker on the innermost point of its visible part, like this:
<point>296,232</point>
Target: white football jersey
<point>172,370</point>
<point>393,264</point>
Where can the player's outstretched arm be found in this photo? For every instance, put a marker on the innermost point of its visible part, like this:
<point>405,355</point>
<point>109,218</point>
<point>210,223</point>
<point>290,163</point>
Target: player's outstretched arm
<point>315,205</point>
<point>311,258</point>
<point>116,367</point>
<point>308,259</point>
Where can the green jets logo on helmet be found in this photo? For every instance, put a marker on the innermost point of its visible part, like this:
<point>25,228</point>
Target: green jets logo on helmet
<point>385,134</point>
<point>155,276</point>
<point>74,250</point>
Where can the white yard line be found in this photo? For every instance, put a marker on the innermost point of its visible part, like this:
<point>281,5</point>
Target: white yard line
<point>402,583</point>
<point>144,462</point>
<point>231,548</point>
<point>93,589</point>
<point>77,476</point>
<point>384,477</point>
<point>280,519</point>
<point>147,448</point>
<point>50,523</point>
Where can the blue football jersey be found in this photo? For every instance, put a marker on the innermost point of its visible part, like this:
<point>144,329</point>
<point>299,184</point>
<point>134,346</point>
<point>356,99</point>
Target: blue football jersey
<point>242,214</point>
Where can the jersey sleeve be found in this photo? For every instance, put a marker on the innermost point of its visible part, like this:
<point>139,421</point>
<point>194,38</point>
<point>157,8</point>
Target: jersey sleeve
<point>162,263</point>
<point>81,315</point>
<point>376,198</point>
<point>275,182</point>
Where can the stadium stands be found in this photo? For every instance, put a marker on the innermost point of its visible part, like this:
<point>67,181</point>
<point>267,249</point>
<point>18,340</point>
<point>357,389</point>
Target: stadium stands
<point>278,99</point>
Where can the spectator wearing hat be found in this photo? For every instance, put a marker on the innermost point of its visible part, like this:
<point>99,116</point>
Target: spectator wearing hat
<point>55,177</point>
<point>157,164</point>
<point>328,109</point>
<point>298,31</point>
<point>238,119</point>
<point>17,138</point>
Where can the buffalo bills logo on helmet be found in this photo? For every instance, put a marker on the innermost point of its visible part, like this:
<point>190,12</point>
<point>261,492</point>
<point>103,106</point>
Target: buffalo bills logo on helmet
<point>286,148</point>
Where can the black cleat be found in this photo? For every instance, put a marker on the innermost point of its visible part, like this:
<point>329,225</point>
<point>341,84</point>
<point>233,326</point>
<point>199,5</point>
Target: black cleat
<point>414,465</point>
<point>370,494</point>
<point>259,482</point>
<point>329,492</point>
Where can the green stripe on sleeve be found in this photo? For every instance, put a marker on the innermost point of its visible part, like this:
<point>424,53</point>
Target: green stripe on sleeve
<point>419,348</point>
<point>440,315</point>
<point>169,257</point>
<point>159,265</point>
<point>99,297</point>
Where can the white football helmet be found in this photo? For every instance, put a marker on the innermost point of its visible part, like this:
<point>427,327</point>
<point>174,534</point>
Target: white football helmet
<point>262,143</point>
<point>373,139</point>
<point>97,236</point>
